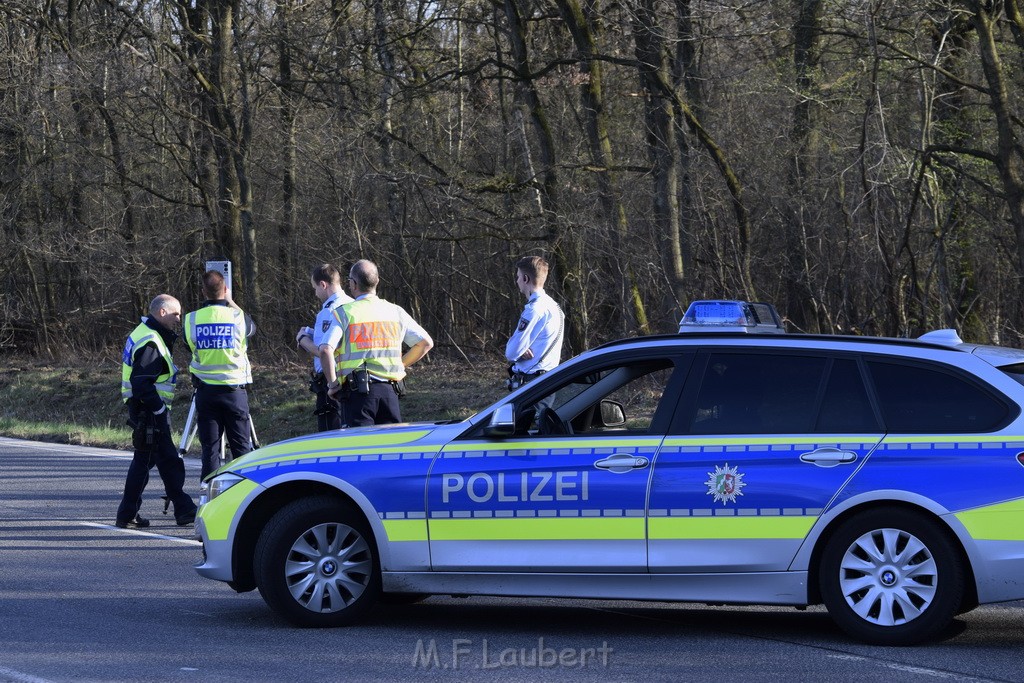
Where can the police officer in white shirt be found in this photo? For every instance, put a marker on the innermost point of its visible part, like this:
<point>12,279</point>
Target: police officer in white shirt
<point>536,345</point>
<point>326,281</point>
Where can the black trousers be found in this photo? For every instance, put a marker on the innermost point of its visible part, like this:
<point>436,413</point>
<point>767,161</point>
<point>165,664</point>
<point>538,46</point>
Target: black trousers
<point>222,411</point>
<point>379,407</point>
<point>163,454</point>
<point>328,411</point>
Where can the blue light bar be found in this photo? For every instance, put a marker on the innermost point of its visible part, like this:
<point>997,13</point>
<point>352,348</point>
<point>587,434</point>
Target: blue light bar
<point>731,316</point>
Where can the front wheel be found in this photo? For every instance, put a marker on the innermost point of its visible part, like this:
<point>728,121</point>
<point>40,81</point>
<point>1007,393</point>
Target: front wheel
<point>316,564</point>
<point>891,577</point>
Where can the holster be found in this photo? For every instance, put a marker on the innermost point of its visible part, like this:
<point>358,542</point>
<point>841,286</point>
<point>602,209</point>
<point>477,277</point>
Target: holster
<point>518,379</point>
<point>359,381</point>
<point>317,382</point>
<point>330,406</point>
<point>138,416</point>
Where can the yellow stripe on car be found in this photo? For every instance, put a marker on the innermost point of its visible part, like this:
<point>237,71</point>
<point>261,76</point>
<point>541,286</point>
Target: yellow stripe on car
<point>375,444</point>
<point>540,529</point>
<point>219,512</point>
<point>768,527</point>
<point>527,446</point>
<point>405,529</point>
<point>1000,522</point>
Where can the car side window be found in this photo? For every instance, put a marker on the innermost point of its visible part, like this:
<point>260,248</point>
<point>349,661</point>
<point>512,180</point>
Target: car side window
<point>758,393</point>
<point>917,399</point>
<point>846,406</point>
<point>618,399</point>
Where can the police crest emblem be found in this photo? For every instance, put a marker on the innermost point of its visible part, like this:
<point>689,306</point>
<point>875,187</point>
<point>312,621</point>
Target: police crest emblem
<point>725,483</point>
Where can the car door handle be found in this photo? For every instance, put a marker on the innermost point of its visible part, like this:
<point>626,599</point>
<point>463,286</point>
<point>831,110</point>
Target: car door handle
<point>828,457</point>
<point>622,462</point>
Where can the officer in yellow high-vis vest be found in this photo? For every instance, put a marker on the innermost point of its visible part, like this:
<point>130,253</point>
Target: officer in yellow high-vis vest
<point>217,334</point>
<point>147,388</point>
<point>361,353</point>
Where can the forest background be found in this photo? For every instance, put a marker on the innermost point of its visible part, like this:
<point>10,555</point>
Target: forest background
<point>855,162</point>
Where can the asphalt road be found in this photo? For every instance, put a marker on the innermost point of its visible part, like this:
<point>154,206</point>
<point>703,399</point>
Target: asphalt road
<point>81,600</point>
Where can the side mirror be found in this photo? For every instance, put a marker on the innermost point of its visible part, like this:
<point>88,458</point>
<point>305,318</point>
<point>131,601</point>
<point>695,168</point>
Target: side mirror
<point>503,421</point>
<point>612,414</point>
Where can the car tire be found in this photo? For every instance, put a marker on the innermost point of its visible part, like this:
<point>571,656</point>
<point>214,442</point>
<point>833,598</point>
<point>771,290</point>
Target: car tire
<point>316,563</point>
<point>891,577</point>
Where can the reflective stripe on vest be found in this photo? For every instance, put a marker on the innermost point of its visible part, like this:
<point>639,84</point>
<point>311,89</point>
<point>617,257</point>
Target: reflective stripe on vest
<point>373,334</point>
<point>139,337</point>
<point>216,336</point>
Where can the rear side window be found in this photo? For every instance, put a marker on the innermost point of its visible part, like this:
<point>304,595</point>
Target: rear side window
<point>917,399</point>
<point>846,407</point>
<point>744,393</point>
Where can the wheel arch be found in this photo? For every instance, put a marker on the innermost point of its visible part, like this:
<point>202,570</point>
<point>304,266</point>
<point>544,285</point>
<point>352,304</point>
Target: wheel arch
<point>927,509</point>
<point>280,492</point>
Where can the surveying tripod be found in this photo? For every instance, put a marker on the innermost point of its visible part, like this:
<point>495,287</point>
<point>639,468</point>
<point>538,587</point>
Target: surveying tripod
<point>188,434</point>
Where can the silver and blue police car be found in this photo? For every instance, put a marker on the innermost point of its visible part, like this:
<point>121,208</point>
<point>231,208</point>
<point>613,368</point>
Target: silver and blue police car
<point>883,478</point>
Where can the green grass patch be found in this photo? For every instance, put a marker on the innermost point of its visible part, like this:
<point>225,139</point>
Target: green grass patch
<point>66,432</point>
<point>44,402</point>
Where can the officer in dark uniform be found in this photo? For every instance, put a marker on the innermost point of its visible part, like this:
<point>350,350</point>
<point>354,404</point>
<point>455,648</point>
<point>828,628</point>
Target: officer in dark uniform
<point>148,376</point>
<point>218,334</point>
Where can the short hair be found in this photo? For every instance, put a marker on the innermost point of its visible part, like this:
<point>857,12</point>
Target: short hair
<point>365,274</point>
<point>161,301</point>
<point>214,286</point>
<point>325,272</point>
<point>535,267</point>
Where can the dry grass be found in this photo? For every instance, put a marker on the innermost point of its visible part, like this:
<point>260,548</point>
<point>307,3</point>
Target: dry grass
<point>81,405</point>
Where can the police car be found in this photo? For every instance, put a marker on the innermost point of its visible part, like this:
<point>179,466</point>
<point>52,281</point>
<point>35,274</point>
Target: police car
<point>883,478</point>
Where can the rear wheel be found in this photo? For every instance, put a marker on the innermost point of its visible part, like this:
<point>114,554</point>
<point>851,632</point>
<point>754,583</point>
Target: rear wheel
<point>891,577</point>
<point>316,564</point>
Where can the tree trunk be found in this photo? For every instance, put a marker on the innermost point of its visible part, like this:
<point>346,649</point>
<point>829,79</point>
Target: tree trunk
<point>1009,161</point>
<point>564,248</point>
<point>686,75</point>
<point>659,116</point>
<point>803,168</point>
<point>289,222</point>
<point>240,157</point>
<point>581,23</point>
<point>395,224</point>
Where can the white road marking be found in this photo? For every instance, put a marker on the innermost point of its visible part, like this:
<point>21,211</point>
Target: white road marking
<point>90,451</point>
<point>62,447</point>
<point>136,532</point>
<point>910,669</point>
<point>12,675</point>
<point>903,668</point>
<point>93,452</point>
